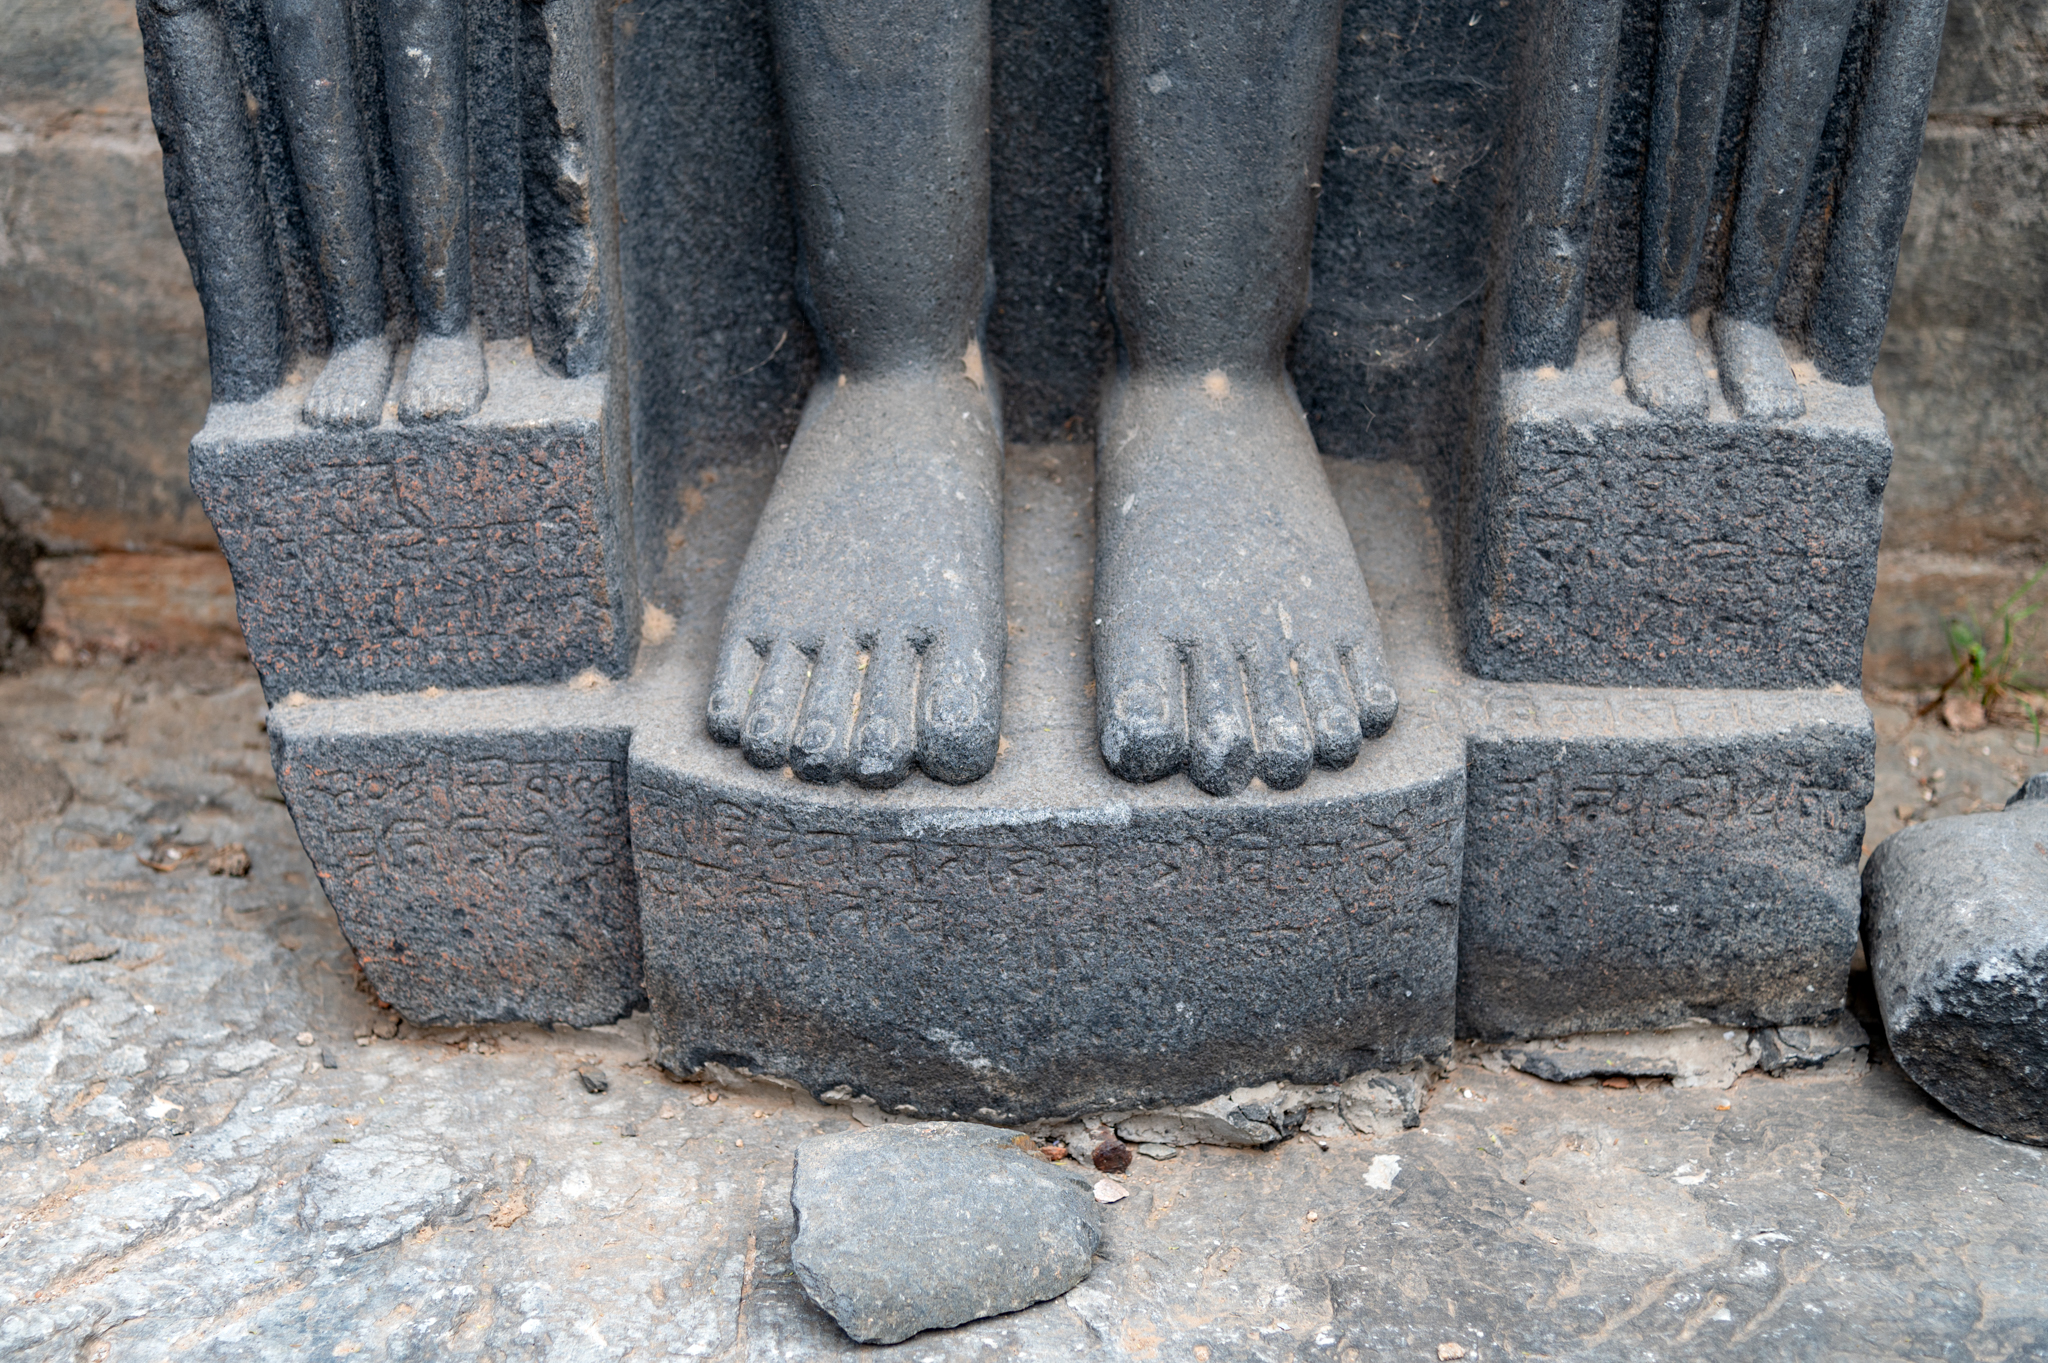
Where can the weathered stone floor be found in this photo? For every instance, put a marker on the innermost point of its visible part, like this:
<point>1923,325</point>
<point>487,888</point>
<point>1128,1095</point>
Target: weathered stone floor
<point>181,1178</point>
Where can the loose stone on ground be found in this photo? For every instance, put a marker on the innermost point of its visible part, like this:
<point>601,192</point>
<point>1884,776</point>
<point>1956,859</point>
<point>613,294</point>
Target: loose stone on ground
<point>901,1229</point>
<point>1956,924</point>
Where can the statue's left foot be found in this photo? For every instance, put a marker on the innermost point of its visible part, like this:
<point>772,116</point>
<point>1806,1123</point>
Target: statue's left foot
<point>1754,374</point>
<point>1233,633</point>
<point>445,379</point>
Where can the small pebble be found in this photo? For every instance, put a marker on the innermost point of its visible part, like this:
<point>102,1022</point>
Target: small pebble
<point>89,951</point>
<point>1154,1150</point>
<point>231,860</point>
<point>1109,1190</point>
<point>593,1078</point>
<point>304,1038</point>
<point>328,1062</point>
<point>1111,1155</point>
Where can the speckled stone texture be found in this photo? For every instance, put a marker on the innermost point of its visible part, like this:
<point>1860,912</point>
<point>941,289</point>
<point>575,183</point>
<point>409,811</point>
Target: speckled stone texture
<point>901,1229</point>
<point>176,1170</point>
<point>476,553</point>
<point>1955,919</point>
<point>1649,858</point>
<point>483,877</point>
<point>1611,547</point>
<point>1050,938</point>
<point>1132,944</point>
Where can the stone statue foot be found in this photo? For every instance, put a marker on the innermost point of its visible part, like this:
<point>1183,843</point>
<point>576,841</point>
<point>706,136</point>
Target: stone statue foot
<point>1662,367</point>
<point>866,630</point>
<point>351,386</point>
<point>1233,634</point>
<point>445,378</point>
<point>1754,372</point>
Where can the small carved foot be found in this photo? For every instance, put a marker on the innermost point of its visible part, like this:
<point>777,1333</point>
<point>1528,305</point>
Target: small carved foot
<point>1754,373</point>
<point>1662,367</point>
<point>351,387</point>
<point>1233,633</point>
<point>866,631</point>
<point>445,379</point>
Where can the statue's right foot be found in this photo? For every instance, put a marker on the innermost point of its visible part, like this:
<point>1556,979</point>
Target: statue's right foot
<point>866,630</point>
<point>444,379</point>
<point>350,389</point>
<point>1662,367</point>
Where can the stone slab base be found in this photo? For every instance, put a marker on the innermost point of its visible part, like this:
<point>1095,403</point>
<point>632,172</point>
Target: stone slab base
<point>475,553</point>
<point>482,874</point>
<point>1645,859</point>
<point>1052,940</point>
<point>1609,547</point>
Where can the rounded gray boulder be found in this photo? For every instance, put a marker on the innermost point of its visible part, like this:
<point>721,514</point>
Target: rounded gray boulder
<point>908,1228</point>
<point>1955,922</point>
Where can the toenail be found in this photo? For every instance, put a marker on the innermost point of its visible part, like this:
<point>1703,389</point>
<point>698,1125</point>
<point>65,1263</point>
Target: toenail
<point>951,705</point>
<point>816,736</point>
<point>1142,701</point>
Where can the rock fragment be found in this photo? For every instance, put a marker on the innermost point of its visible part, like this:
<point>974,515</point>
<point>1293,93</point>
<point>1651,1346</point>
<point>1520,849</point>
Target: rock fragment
<point>917,1227</point>
<point>231,860</point>
<point>1691,1057</point>
<point>1784,1050</point>
<point>1955,923</point>
<point>1110,1156</point>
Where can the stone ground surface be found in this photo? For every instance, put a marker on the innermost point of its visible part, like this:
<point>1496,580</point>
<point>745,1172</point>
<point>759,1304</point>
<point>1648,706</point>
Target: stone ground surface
<point>181,1178</point>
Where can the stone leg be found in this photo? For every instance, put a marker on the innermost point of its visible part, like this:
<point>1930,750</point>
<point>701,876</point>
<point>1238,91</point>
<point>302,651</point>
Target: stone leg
<point>309,41</point>
<point>865,631</point>
<point>1695,39</point>
<point>426,74</point>
<point>1855,294</point>
<point>211,174</point>
<point>1563,132</point>
<point>1233,636</point>
<point>1802,55</point>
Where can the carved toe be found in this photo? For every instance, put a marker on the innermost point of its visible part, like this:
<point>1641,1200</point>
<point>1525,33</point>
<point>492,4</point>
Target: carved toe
<point>823,739</point>
<point>885,729</point>
<point>1221,754</point>
<point>1139,709</point>
<point>1332,714</point>
<point>1285,749</point>
<point>772,710</point>
<point>1374,689</point>
<point>958,720</point>
<point>732,685</point>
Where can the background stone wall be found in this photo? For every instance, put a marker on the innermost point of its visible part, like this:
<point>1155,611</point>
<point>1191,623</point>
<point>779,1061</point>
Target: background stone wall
<point>1964,374</point>
<point>103,369</point>
<point>102,348</point>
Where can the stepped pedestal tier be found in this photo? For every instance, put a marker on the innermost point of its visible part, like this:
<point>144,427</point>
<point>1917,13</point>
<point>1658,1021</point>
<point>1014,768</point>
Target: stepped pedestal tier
<point>1511,859</point>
